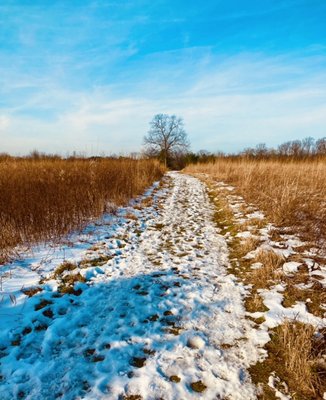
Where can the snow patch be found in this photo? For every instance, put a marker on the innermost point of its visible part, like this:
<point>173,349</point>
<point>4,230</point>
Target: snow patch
<point>291,267</point>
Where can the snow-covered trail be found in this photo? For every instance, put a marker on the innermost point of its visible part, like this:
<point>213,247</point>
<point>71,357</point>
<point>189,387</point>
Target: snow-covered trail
<point>160,320</point>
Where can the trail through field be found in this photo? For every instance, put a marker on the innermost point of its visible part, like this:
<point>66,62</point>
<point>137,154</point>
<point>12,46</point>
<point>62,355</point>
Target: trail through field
<point>160,318</point>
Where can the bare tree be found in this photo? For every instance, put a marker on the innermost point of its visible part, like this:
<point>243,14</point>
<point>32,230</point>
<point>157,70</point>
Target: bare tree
<point>284,149</point>
<point>166,137</point>
<point>308,144</point>
<point>261,150</point>
<point>321,146</point>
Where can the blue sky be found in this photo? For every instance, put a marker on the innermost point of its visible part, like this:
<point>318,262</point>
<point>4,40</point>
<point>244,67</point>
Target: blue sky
<point>89,75</point>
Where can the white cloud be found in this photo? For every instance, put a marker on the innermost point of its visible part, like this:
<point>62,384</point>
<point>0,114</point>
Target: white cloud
<point>4,122</point>
<point>229,105</point>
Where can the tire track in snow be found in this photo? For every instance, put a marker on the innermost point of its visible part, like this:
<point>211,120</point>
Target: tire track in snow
<point>162,320</point>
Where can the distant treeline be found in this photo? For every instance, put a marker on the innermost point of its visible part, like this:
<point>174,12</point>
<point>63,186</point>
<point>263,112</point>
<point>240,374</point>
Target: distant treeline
<point>38,155</point>
<point>307,148</point>
<point>294,149</point>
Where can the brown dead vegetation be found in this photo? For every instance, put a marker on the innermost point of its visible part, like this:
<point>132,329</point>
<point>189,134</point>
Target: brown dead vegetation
<point>268,273</point>
<point>290,192</point>
<point>254,302</point>
<point>46,198</point>
<point>248,245</point>
<point>296,354</point>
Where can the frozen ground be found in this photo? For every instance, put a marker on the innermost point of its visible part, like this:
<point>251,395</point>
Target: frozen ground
<point>159,319</point>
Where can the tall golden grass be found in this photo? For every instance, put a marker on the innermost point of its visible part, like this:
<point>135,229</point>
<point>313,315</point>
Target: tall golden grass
<point>290,192</point>
<point>296,355</point>
<point>45,198</point>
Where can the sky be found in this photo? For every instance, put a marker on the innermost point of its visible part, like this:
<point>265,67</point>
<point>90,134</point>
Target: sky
<point>89,75</point>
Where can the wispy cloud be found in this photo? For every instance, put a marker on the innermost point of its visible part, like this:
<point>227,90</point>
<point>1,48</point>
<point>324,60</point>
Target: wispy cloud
<point>89,78</point>
<point>244,102</point>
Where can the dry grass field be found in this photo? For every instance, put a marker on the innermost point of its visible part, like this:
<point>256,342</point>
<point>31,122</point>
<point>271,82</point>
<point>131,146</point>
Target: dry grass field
<point>45,198</point>
<point>291,193</point>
